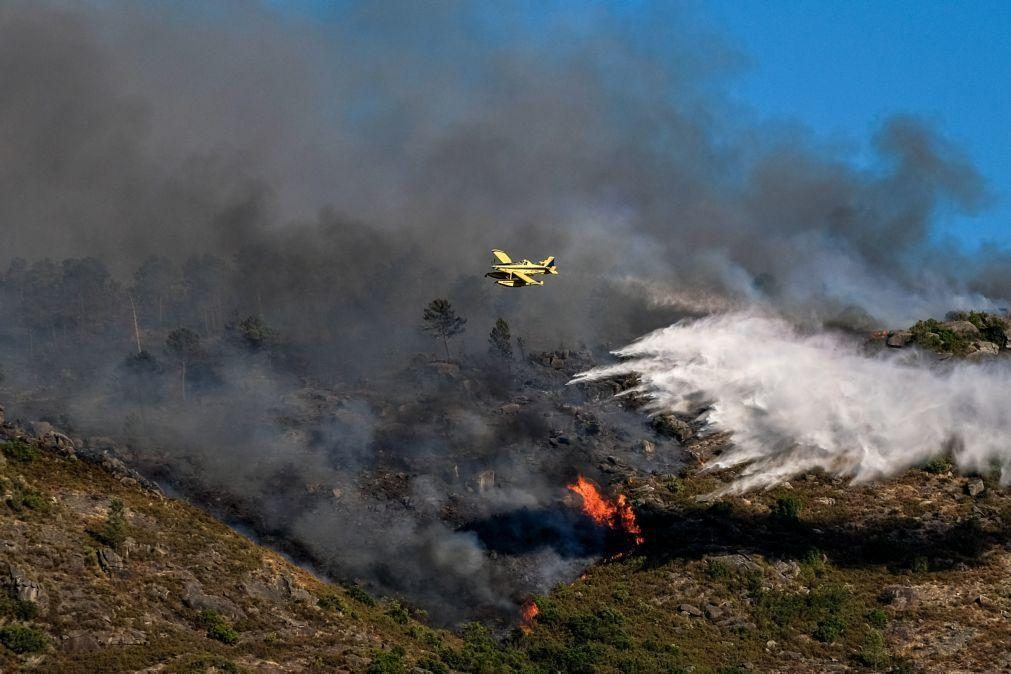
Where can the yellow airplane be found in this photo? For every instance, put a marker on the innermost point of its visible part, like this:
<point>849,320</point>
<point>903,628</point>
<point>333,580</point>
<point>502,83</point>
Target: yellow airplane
<point>518,274</point>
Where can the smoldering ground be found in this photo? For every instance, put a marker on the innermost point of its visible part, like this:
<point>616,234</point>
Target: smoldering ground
<point>333,173</point>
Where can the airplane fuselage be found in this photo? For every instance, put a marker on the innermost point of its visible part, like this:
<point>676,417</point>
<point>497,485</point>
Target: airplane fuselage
<point>515,274</point>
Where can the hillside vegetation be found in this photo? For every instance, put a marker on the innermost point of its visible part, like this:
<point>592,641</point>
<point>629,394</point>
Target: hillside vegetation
<point>103,575</point>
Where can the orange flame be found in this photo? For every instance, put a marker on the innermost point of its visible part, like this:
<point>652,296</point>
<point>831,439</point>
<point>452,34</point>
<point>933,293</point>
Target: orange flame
<point>528,613</point>
<point>613,514</point>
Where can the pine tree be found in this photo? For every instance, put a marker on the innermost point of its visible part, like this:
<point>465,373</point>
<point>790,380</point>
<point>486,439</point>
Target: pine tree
<point>441,321</point>
<point>500,342</point>
<point>183,344</point>
<point>115,524</point>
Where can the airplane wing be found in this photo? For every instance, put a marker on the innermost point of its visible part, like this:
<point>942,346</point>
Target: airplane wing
<point>523,277</point>
<point>502,256</point>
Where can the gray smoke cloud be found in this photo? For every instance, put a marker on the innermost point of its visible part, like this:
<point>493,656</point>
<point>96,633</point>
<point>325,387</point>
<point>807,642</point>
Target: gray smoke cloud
<point>433,133</point>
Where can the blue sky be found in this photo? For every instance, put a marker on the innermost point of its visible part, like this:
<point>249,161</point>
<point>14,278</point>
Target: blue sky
<point>840,67</point>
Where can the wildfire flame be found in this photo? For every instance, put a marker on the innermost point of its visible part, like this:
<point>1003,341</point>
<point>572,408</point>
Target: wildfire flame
<point>528,613</point>
<point>616,514</point>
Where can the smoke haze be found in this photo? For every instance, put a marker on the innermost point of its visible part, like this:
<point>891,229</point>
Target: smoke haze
<point>330,175</point>
<point>429,134</point>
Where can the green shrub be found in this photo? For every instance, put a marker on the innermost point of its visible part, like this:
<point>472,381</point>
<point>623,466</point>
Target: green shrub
<point>26,498</point>
<point>22,638</point>
<point>356,592</point>
<point>387,662</point>
<point>19,450</point>
<point>217,627</point>
<point>717,570</point>
<point>17,609</point>
<point>813,560</point>
<point>938,465</point>
<point>114,531</point>
<point>828,629</point>
<point>331,602</point>
<point>481,652</point>
<point>877,617</point>
<point>874,653</point>
<point>920,564</point>
<point>787,508</point>
<point>604,625</point>
<point>433,664</point>
<point>400,615</point>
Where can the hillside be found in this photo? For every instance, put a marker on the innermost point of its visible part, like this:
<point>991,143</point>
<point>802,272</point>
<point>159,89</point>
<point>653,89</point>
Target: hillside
<point>168,589</point>
<point>906,575</point>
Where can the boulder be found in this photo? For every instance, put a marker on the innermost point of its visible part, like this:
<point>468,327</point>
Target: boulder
<point>963,328</point>
<point>688,609</point>
<point>58,442</point>
<point>21,587</point>
<point>195,597</point>
<point>981,350</point>
<point>899,339</point>
<point>900,597</point>
<point>111,562</point>
<point>738,563</point>
<point>975,487</point>
<point>78,642</point>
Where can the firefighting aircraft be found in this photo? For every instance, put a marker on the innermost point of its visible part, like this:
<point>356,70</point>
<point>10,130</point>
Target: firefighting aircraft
<point>518,274</point>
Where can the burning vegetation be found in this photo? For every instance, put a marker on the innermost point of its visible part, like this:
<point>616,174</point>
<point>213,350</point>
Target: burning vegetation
<point>614,513</point>
<point>528,612</point>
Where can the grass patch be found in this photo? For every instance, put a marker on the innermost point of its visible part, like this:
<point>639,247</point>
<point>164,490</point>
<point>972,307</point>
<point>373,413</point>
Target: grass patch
<point>20,451</point>
<point>824,613</point>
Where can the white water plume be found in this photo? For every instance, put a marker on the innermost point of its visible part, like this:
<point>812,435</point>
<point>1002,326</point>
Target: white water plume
<point>796,401</point>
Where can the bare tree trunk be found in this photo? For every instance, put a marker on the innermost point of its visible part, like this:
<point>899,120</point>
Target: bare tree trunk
<point>136,325</point>
<point>445,343</point>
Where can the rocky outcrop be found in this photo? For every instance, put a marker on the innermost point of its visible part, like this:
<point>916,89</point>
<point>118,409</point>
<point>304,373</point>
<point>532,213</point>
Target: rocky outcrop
<point>982,350</point>
<point>195,597</point>
<point>21,587</point>
<point>111,562</point>
<point>899,339</point>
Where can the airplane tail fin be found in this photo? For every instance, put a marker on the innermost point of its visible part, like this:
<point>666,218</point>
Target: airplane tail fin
<point>501,256</point>
<point>547,262</point>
